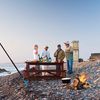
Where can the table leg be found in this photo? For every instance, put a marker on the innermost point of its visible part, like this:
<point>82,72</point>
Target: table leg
<point>27,71</point>
<point>62,69</point>
<point>58,70</point>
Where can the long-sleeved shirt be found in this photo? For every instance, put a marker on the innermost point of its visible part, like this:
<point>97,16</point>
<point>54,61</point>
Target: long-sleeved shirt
<point>69,53</point>
<point>45,54</point>
<point>60,55</point>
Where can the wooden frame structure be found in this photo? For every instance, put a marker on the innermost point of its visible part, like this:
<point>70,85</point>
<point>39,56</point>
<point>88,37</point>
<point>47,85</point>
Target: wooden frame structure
<point>36,73</point>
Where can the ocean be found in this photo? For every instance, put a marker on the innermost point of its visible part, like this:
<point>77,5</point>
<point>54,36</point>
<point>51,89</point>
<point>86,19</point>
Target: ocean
<point>21,66</point>
<point>9,67</point>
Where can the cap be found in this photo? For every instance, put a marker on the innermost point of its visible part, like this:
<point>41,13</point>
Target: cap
<point>66,42</point>
<point>46,47</point>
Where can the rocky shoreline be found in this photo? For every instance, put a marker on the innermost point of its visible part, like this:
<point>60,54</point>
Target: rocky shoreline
<point>12,87</point>
<point>3,70</point>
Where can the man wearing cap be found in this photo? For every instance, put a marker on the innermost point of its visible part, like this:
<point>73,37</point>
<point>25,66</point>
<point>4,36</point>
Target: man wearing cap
<point>45,56</point>
<point>69,57</point>
<point>45,53</point>
<point>59,55</point>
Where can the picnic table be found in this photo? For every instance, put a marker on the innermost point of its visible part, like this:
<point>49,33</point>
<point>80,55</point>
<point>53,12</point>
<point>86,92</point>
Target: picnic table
<point>36,73</point>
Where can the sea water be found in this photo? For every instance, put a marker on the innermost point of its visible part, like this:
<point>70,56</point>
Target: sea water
<point>10,68</point>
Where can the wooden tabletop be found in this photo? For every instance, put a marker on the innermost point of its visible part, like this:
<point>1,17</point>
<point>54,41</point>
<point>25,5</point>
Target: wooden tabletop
<point>43,63</point>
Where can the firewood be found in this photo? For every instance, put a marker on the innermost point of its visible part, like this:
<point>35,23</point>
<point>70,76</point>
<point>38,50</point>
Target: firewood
<point>80,82</point>
<point>86,85</point>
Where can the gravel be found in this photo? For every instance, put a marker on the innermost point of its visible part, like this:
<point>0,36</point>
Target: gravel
<point>12,87</point>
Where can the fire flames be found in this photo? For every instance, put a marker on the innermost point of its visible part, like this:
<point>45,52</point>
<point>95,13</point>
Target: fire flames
<point>80,82</point>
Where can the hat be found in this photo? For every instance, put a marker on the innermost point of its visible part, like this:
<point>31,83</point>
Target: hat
<point>66,42</point>
<point>46,47</point>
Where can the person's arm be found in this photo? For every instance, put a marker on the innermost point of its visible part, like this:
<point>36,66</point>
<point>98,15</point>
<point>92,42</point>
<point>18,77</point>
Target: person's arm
<point>67,49</point>
<point>62,56</point>
<point>55,54</point>
<point>71,49</point>
<point>42,55</point>
<point>35,52</point>
<point>48,54</point>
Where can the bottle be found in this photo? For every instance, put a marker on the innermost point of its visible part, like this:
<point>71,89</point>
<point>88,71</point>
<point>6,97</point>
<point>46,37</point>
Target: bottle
<point>45,59</point>
<point>50,60</point>
<point>39,58</point>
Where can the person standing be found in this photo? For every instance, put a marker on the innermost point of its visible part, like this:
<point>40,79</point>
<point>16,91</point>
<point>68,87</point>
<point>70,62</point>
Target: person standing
<point>69,57</point>
<point>59,55</point>
<point>35,53</point>
<point>45,57</point>
<point>36,57</point>
<point>45,54</point>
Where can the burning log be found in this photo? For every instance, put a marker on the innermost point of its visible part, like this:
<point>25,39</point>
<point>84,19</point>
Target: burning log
<point>80,82</point>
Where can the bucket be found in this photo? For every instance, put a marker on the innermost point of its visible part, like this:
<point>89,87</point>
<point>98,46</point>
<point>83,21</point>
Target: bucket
<point>66,80</point>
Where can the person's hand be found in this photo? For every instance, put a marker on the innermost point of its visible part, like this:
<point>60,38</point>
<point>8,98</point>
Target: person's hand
<point>59,60</point>
<point>46,56</point>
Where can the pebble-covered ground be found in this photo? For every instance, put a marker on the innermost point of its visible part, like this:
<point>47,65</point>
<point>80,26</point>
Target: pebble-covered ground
<point>12,88</point>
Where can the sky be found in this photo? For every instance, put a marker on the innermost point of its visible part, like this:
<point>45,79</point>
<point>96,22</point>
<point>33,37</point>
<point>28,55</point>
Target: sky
<point>24,23</point>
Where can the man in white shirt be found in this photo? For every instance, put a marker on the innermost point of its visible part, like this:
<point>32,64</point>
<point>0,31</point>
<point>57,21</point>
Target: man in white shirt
<point>45,53</point>
<point>45,57</point>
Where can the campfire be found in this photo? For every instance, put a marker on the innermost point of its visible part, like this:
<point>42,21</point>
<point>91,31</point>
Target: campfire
<point>80,82</point>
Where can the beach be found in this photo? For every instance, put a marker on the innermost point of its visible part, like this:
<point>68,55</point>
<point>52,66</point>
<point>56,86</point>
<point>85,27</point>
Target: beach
<point>10,69</point>
<point>12,87</point>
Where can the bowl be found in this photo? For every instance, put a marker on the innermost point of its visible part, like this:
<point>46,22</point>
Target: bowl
<point>66,80</point>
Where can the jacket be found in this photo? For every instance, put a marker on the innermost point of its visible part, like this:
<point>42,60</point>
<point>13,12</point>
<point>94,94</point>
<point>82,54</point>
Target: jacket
<point>59,54</point>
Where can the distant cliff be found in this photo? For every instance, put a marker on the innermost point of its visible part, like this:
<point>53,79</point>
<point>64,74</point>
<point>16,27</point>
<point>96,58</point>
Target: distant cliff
<point>94,56</point>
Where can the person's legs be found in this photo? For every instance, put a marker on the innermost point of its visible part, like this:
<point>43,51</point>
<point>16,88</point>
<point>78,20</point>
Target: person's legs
<point>58,70</point>
<point>70,66</point>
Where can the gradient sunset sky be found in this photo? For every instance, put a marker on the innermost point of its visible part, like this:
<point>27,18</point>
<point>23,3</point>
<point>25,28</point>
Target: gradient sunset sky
<point>24,23</point>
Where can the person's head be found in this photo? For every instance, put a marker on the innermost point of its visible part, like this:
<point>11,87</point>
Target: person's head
<point>35,46</point>
<point>59,46</point>
<point>46,48</point>
<point>67,44</point>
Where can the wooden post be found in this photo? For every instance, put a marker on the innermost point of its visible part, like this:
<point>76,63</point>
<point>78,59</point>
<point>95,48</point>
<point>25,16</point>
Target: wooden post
<point>27,70</point>
<point>63,72</point>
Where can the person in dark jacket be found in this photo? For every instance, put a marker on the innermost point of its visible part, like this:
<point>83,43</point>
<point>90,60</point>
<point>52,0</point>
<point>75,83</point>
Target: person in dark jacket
<point>59,55</point>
